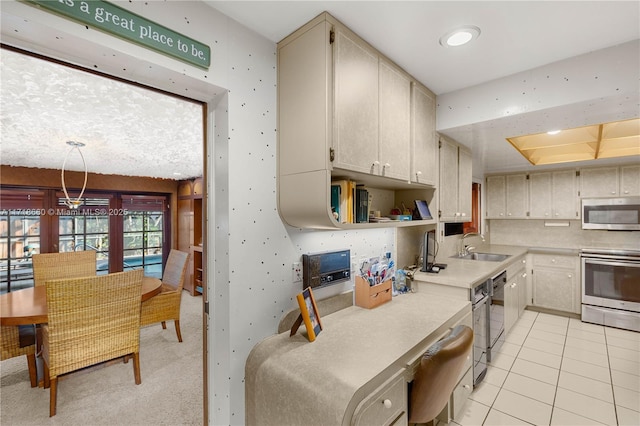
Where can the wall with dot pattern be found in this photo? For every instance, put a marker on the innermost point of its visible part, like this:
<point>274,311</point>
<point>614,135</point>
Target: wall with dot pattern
<point>251,250</point>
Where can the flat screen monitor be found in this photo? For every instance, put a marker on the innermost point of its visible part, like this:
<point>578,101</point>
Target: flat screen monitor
<point>429,251</point>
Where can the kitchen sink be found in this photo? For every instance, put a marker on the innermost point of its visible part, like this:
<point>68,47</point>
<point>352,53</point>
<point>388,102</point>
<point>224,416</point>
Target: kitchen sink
<point>490,257</point>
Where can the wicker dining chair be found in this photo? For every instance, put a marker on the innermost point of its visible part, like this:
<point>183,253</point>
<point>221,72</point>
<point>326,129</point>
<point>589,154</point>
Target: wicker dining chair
<point>10,347</point>
<point>91,320</point>
<point>54,266</point>
<point>166,305</point>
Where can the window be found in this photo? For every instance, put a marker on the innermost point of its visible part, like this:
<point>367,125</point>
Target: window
<point>143,233</point>
<point>19,239</point>
<point>20,236</point>
<point>86,229</point>
<point>126,231</point>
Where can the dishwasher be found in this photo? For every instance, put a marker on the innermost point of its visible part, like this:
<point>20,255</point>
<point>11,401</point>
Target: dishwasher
<point>480,307</point>
<point>496,314</point>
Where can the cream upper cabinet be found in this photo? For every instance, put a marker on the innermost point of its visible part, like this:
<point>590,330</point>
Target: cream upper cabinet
<point>464,184</point>
<point>599,182</point>
<point>629,181</point>
<point>507,197</point>
<point>517,197</point>
<point>455,182</point>
<point>540,199</point>
<point>424,142</point>
<point>355,140</point>
<point>496,190</point>
<point>553,195</point>
<point>395,122</point>
<point>345,113</point>
<point>372,111</point>
<point>564,195</point>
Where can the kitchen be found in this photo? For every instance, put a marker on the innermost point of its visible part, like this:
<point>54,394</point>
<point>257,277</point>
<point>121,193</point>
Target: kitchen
<point>248,242</point>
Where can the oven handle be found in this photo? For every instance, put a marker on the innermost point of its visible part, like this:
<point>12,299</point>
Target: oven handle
<point>597,261</point>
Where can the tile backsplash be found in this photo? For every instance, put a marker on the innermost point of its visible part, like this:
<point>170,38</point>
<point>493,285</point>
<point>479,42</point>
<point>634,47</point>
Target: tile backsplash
<point>534,233</point>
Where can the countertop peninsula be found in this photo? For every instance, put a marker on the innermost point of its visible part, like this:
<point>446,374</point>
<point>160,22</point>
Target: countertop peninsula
<point>466,273</point>
<point>292,381</point>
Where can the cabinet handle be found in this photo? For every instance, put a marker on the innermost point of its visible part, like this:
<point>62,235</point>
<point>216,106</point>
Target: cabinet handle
<point>501,214</point>
<point>464,214</point>
<point>613,192</point>
<point>467,387</point>
<point>513,285</point>
<point>553,261</point>
<point>626,192</point>
<point>524,275</point>
<point>418,173</point>
<point>387,403</point>
<point>508,214</point>
<point>524,261</point>
<point>568,275</point>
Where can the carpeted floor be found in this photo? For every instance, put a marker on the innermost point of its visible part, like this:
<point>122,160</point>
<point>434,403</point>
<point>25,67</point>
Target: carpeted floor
<point>170,393</point>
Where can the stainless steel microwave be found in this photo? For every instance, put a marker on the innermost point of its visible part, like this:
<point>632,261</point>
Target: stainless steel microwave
<point>613,214</point>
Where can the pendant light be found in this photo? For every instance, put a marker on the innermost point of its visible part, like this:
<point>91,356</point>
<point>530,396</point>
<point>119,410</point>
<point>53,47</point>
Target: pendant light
<point>74,204</point>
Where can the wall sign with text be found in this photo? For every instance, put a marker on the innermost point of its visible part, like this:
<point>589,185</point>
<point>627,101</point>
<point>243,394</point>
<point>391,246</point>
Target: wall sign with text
<point>124,24</point>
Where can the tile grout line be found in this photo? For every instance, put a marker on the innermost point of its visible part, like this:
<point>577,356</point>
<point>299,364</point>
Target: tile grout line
<point>555,393</point>
<point>508,372</point>
<point>613,393</point>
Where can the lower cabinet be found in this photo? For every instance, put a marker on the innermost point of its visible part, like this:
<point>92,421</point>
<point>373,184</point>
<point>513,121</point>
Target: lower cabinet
<point>387,405</point>
<point>555,282</point>
<point>515,293</point>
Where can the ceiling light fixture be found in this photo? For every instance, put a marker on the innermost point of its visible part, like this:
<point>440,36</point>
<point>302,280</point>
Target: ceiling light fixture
<point>553,132</point>
<point>459,36</point>
<point>74,204</point>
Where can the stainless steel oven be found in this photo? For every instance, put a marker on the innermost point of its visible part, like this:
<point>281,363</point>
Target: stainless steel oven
<point>611,287</point>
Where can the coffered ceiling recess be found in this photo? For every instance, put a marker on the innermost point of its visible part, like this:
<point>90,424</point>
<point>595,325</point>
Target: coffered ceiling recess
<point>607,140</point>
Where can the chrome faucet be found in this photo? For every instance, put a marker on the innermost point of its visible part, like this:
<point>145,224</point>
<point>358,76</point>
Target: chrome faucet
<point>463,251</point>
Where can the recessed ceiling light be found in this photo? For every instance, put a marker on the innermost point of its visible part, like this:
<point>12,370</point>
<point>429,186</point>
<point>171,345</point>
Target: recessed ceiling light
<point>553,132</point>
<point>459,36</point>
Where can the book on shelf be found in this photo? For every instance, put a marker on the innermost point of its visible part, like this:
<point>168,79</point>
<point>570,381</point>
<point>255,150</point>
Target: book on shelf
<point>362,205</point>
<point>345,190</point>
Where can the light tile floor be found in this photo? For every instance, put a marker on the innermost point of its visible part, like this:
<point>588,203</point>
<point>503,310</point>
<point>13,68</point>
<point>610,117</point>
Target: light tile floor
<point>554,370</point>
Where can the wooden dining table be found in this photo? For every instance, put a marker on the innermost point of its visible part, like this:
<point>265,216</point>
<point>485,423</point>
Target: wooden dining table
<point>29,305</point>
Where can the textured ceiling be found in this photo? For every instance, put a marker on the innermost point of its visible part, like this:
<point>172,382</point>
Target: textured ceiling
<point>127,130</point>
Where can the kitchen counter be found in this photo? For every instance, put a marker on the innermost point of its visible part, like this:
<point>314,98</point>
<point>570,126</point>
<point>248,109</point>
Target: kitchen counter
<point>292,381</point>
<point>466,273</point>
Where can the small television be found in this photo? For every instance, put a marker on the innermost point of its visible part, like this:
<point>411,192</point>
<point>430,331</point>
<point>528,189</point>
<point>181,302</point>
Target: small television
<point>429,251</point>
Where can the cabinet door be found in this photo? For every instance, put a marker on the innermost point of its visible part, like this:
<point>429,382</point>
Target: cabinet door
<point>554,289</point>
<point>600,182</point>
<point>355,105</point>
<point>496,197</point>
<point>510,304</point>
<point>464,184</point>
<point>517,197</point>
<point>564,195</point>
<point>629,181</point>
<point>448,180</point>
<point>540,195</point>
<point>522,291</point>
<point>424,140</point>
<point>395,122</point>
